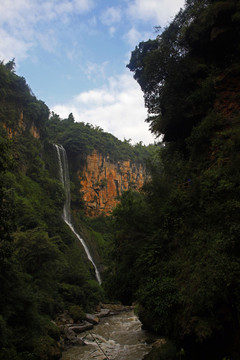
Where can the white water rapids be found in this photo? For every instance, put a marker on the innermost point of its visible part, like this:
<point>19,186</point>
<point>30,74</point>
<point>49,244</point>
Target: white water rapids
<point>118,337</point>
<point>64,178</point>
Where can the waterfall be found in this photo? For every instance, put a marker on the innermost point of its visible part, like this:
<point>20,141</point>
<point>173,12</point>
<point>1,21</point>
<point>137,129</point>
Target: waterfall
<point>64,177</point>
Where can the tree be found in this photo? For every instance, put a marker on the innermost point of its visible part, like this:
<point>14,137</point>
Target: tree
<point>10,65</point>
<point>176,70</point>
<point>186,271</point>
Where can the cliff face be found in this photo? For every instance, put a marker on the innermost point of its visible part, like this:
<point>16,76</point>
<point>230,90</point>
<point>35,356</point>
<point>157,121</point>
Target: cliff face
<point>103,181</point>
<point>20,127</point>
<point>227,93</point>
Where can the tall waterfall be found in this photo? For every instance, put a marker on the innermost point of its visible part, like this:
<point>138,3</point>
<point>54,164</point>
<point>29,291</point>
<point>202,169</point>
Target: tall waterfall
<point>64,177</point>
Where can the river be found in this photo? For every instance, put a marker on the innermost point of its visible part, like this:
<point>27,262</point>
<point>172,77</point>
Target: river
<point>117,337</point>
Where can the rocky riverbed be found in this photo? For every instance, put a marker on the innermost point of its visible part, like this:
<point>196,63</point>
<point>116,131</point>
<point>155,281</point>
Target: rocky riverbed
<point>117,337</point>
<point>70,331</point>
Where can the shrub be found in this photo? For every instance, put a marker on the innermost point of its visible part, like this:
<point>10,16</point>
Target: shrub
<point>77,313</point>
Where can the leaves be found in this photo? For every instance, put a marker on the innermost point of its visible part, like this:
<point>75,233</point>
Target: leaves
<point>43,269</point>
<point>185,268</point>
<point>80,139</point>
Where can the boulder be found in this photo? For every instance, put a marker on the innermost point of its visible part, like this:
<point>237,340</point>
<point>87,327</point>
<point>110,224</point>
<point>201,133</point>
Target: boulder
<point>103,313</point>
<point>117,307</point>
<point>64,318</point>
<point>69,337</point>
<point>69,329</point>
<point>78,328</point>
<point>93,319</point>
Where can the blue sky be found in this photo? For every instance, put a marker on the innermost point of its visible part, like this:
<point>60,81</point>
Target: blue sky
<point>73,54</point>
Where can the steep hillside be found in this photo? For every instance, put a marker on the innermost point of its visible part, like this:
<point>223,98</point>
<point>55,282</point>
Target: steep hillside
<point>176,244</point>
<point>43,268</point>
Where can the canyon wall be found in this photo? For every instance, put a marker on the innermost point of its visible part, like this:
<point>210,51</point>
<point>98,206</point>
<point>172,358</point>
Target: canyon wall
<point>102,181</point>
<point>21,126</point>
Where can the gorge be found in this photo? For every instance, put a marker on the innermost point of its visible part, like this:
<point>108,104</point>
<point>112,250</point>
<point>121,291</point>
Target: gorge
<point>172,250</point>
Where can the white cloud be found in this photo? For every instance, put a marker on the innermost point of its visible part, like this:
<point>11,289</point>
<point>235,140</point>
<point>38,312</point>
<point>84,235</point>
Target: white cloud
<point>83,5</point>
<point>97,97</point>
<point>95,71</point>
<point>117,108</point>
<point>72,51</point>
<point>111,16</point>
<point>10,47</point>
<point>133,36</point>
<point>11,11</point>
<point>112,30</point>
<point>57,8</point>
<point>92,22</point>
<point>160,11</point>
<point>43,39</point>
<point>20,20</point>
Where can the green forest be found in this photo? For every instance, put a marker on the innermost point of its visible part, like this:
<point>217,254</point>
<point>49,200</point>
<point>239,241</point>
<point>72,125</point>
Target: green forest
<point>44,268</point>
<point>173,248</point>
<point>176,249</point>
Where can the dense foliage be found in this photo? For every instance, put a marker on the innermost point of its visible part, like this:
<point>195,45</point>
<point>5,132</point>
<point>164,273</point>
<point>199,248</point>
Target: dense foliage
<point>43,269</point>
<point>80,139</point>
<point>176,244</point>
<point>17,100</point>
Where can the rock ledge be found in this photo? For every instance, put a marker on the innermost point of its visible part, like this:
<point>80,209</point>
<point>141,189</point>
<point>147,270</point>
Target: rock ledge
<point>70,331</point>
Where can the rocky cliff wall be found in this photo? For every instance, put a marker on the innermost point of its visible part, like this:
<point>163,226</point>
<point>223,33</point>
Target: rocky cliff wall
<point>20,127</point>
<point>103,181</point>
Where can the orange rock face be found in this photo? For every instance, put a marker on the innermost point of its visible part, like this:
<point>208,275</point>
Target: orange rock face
<point>34,131</point>
<point>21,126</point>
<point>103,181</point>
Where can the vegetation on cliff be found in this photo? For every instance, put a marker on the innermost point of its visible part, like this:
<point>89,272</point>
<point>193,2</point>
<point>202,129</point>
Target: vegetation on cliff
<point>80,139</point>
<point>43,269</point>
<point>101,166</point>
<point>176,244</point>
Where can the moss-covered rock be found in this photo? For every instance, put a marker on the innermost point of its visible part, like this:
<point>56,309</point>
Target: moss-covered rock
<point>77,313</point>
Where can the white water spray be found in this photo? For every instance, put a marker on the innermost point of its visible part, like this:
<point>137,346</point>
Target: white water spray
<point>64,177</point>
<point>119,336</point>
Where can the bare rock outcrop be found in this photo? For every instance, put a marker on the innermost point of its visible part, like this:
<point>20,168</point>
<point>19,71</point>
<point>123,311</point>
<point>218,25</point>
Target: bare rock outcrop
<point>102,181</point>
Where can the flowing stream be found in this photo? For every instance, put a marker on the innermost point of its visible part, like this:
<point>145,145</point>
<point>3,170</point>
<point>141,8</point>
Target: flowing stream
<point>117,337</point>
<point>64,177</point>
